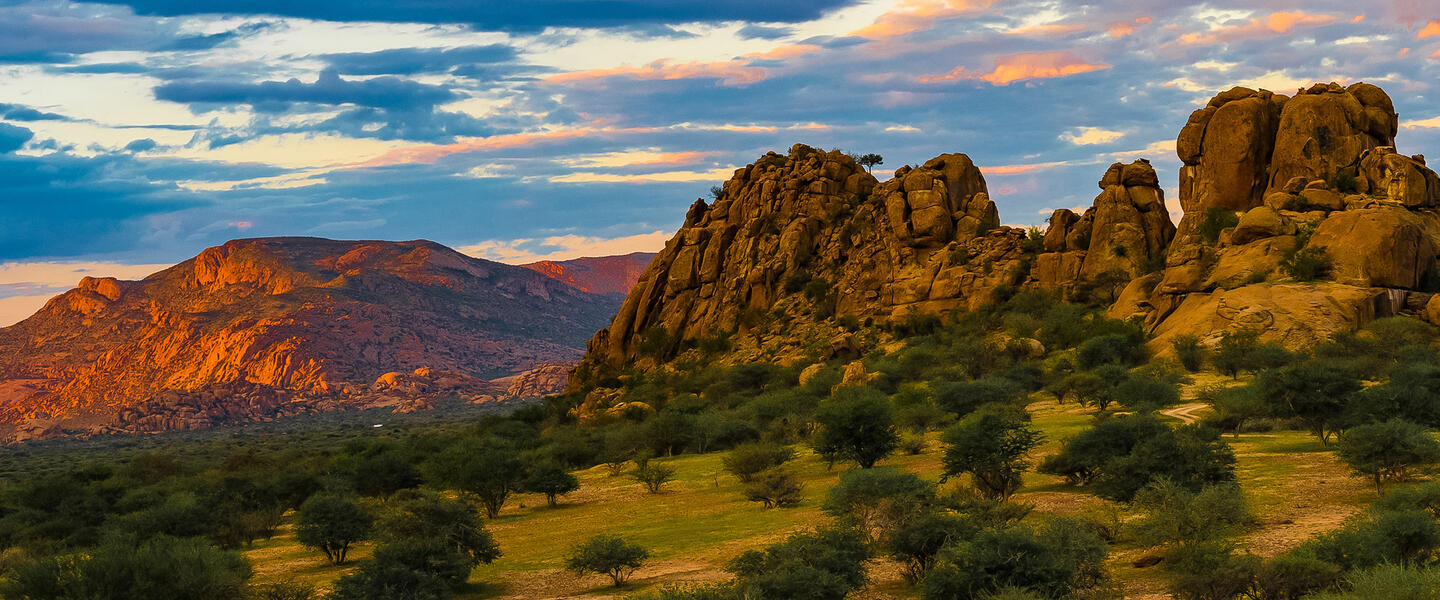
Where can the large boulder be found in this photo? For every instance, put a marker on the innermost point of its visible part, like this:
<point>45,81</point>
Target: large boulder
<point>1327,128</point>
<point>1383,247</point>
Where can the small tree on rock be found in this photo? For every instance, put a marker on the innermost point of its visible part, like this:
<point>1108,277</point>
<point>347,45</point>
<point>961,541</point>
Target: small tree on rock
<point>870,160</point>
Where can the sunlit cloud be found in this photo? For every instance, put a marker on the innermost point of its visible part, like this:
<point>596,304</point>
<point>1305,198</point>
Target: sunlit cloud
<point>635,158</point>
<point>1088,136</point>
<point>716,175</point>
<point>1120,29</point>
<point>564,247</point>
<point>1273,24</point>
<point>734,73</point>
<point>1431,29</point>
<point>912,16</point>
<point>1019,67</point>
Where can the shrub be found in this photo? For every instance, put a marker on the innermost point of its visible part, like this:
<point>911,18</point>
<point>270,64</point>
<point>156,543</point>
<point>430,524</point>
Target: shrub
<point>963,397</point>
<point>1389,581</point>
<point>1306,264</point>
<point>878,501</point>
<point>1209,571</point>
<point>856,424</point>
<point>443,532</point>
<point>1309,390</point>
<point>993,447</point>
<point>918,541</point>
<point>331,523</point>
<point>653,476</point>
<point>829,563</point>
<point>487,468</point>
<point>1388,451</point>
<point>608,555</point>
<point>1293,575</point>
<point>119,569</point>
<point>1111,349</point>
<point>1058,560</point>
<point>399,571</point>
<point>1188,352</point>
<point>1173,514</point>
<point>1384,537</point>
<point>1085,456</point>
<point>747,460</point>
<point>774,488</point>
<point>1192,456</point>
<point>282,591</point>
<point>1217,220</point>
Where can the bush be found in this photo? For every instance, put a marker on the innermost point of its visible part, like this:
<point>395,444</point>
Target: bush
<point>775,488</point>
<point>331,523</point>
<point>1085,456</point>
<point>1188,352</point>
<point>608,555</point>
<point>487,468</point>
<point>1217,220</point>
<point>993,447</point>
<point>856,424</point>
<point>1174,515</point>
<point>878,501</point>
<point>918,540</point>
<point>653,476</point>
<point>1192,457</point>
<point>119,569</point>
<point>1112,349</point>
<point>1293,575</point>
<point>824,565</point>
<point>282,591</point>
<point>1386,537</point>
<point>1209,571</point>
<point>1060,559</point>
<point>445,535</point>
<point>963,397</point>
<point>1311,391</point>
<point>747,460</point>
<point>1394,582</point>
<point>1306,264</point>
<point>397,572</point>
<point>1388,451</point>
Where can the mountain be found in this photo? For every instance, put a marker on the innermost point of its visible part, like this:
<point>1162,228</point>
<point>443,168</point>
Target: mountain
<point>257,328</point>
<point>599,275</point>
<point>814,241</point>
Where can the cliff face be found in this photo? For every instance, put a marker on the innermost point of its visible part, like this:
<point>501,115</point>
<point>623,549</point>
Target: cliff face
<point>1265,176</point>
<point>258,327</point>
<point>597,275</point>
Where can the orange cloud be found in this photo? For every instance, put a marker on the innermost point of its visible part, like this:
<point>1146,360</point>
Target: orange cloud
<point>1120,29</point>
<point>918,15</point>
<point>782,52</point>
<point>1402,52</point>
<point>1018,67</point>
<point>1275,23</point>
<point>734,72</point>
<point>1020,169</point>
<point>1430,29</point>
<point>1357,18</point>
<point>639,158</point>
<point>1044,30</point>
<point>429,153</point>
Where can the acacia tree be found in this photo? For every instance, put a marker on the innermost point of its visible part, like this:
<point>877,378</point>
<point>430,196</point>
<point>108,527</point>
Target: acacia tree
<point>992,446</point>
<point>486,468</point>
<point>870,160</point>
<point>609,555</point>
<point>552,480</point>
<point>1317,393</point>
<point>331,523</point>
<point>1387,451</point>
<point>856,424</point>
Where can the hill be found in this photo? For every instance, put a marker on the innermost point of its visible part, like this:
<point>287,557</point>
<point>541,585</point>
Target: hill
<point>261,327</point>
<point>597,275</point>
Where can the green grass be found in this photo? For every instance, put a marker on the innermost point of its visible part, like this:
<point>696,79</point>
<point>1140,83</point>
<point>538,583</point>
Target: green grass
<point>1296,488</point>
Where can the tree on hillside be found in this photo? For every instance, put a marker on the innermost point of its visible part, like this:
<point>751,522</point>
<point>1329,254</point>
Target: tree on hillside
<point>1388,451</point>
<point>487,468</point>
<point>870,160</point>
<point>829,563</point>
<point>747,460</point>
<point>1310,390</point>
<point>551,479</point>
<point>993,447</point>
<point>608,555</point>
<point>330,523</point>
<point>120,569</point>
<point>856,424</point>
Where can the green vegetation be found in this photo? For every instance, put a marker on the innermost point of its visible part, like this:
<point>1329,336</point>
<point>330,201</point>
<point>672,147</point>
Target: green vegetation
<point>607,555</point>
<point>1217,220</point>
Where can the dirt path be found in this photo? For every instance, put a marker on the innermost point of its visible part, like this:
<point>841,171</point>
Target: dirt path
<point>1185,412</point>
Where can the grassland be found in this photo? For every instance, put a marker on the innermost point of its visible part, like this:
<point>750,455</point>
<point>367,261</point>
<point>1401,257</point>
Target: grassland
<point>1295,488</point>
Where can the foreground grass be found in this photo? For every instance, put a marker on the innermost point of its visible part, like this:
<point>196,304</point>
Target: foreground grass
<point>1295,487</point>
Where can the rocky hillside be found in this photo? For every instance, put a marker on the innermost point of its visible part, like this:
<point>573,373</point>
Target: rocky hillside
<point>597,275</point>
<point>261,327</point>
<point>1300,220</point>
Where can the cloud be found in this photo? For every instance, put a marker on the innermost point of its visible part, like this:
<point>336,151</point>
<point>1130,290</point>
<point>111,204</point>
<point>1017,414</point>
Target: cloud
<point>716,175</point>
<point>1120,29</point>
<point>1431,29</point>
<point>1020,67</point>
<point>413,61</point>
<point>532,15</point>
<point>13,137</point>
<point>732,72</point>
<point>753,31</point>
<point>141,145</point>
<point>564,247</point>
<point>912,16</point>
<point>1276,23</point>
<point>328,89</point>
<point>1089,136</point>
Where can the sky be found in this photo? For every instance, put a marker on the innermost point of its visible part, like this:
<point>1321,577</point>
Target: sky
<point>135,133</point>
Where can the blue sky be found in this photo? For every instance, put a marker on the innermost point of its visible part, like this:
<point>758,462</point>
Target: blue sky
<point>133,134</point>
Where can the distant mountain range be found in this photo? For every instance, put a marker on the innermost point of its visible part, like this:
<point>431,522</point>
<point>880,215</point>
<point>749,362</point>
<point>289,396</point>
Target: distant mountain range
<point>602,275</point>
<point>258,328</point>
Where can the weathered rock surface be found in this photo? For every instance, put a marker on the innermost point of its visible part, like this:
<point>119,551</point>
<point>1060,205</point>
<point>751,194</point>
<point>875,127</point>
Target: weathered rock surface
<point>597,275</point>
<point>260,327</point>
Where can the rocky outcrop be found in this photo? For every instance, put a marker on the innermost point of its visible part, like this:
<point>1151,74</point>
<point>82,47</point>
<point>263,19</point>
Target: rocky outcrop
<point>926,241</point>
<point>1124,234</point>
<point>262,327</point>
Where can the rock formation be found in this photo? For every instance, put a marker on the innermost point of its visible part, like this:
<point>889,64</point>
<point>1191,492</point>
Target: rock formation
<point>260,327</point>
<point>1266,178</point>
